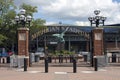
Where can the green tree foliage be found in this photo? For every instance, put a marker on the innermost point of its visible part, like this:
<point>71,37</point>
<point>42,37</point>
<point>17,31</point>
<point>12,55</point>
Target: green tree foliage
<point>29,9</point>
<point>8,28</point>
<point>5,6</point>
<point>37,25</point>
<point>7,15</point>
<point>2,38</point>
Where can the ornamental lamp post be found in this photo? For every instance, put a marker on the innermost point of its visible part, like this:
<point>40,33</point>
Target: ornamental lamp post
<point>96,35</point>
<point>21,18</point>
<point>97,19</point>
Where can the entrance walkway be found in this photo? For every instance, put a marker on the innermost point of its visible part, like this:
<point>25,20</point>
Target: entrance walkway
<point>60,73</point>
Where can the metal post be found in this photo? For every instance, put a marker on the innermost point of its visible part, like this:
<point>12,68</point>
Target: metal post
<point>74,66</point>
<point>91,49</point>
<point>25,64</point>
<point>46,65</point>
<point>103,22</point>
<point>95,64</point>
<point>59,58</point>
<point>91,23</point>
<point>37,42</point>
<point>69,44</point>
<point>71,58</point>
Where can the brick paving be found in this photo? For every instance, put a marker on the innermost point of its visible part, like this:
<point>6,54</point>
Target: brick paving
<point>60,73</point>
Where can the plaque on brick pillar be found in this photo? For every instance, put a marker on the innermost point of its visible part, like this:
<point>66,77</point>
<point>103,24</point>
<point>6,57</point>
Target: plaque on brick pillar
<point>98,41</point>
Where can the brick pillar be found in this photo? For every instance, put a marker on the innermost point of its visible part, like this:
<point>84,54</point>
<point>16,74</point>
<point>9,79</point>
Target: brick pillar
<point>23,39</point>
<point>98,47</point>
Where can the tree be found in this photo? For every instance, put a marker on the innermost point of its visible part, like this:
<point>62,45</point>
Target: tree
<point>29,9</point>
<point>2,38</point>
<point>37,25</point>
<point>5,6</point>
<point>7,14</point>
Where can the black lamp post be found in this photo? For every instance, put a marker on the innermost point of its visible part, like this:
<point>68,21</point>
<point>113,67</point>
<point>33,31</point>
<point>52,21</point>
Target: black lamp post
<point>22,18</point>
<point>97,19</point>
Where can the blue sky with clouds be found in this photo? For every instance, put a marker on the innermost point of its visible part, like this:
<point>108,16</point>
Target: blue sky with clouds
<point>75,12</point>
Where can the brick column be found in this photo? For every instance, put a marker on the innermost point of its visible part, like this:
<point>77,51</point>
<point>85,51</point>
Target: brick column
<point>23,39</point>
<point>98,48</point>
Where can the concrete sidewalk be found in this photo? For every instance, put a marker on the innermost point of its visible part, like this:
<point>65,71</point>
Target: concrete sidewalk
<point>60,73</point>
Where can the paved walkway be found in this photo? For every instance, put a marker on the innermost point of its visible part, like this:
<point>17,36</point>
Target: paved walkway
<point>60,73</point>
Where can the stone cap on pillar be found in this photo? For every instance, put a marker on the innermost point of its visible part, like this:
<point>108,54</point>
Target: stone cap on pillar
<point>23,56</point>
<point>24,28</point>
<point>99,56</point>
<point>98,28</point>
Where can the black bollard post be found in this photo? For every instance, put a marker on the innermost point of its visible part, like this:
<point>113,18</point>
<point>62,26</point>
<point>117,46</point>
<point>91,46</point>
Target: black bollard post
<point>71,58</point>
<point>74,66</point>
<point>95,64</point>
<point>46,65</point>
<point>25,64</point>
<point>30,60</point>
<point>59,58</point>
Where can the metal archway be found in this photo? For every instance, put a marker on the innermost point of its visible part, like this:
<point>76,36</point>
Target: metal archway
<point>56,29</point>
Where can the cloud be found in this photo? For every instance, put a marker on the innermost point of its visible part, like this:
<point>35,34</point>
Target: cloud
<point>50,23</point>
<point>82,23</point>
<point>77,11</point>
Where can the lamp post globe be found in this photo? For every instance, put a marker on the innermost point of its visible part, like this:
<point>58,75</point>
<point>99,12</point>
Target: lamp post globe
<point>16,18</point>
<point>22,18</point>
<point>29,18</point>
<point>97,12</point>
<point>22,12</point>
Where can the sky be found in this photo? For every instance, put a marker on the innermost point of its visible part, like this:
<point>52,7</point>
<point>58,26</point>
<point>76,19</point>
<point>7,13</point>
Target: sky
<point>74,12</point>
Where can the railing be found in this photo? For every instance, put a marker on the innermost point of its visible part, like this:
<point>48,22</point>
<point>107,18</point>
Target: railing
<point>62,59</point>
<point>113,59</point>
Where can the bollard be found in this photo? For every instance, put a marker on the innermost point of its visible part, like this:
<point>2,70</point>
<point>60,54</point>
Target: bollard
<point>71,58</point>
<point>59,59</point>
<point>25,64</point>
<point>49,59</point>
<point>46,65</point>
<point>74,66</point>
<point>95,64</point>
